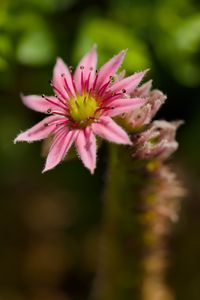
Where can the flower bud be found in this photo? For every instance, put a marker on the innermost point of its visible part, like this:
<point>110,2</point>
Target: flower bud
<point>136,119</point>
<point>158,141</point>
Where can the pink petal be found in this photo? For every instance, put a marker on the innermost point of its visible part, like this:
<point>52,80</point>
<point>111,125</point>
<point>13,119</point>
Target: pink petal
<point>38,103</point>
<point>109,130</point>
<point>40,131</point>
<point>86,147</point>
<point>110,68</point>
<point>59,148</point>
<point>120,106</point>
<point>120,76</point>
<point>61,69</point>
<point>89,62</point>
<point>145,88</point>
<point>129,83</point>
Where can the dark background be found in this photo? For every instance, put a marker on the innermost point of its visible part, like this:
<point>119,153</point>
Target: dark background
<point>49,223</point>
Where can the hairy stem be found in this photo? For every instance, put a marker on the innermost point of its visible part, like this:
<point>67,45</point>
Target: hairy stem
<point>130,244</point>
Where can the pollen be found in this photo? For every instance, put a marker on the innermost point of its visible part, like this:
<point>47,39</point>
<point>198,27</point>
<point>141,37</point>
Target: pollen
<point>82,107</point>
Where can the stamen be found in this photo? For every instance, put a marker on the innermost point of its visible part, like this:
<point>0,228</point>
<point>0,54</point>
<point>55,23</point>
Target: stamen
<point>57,90</point>
<point>82,81</point>
<point>103,88</point>
<point>66,86</point>
<point>72,79</point>
<point>74,85</point>
<point>95,81</point>
<point>58,113</point>
<point>88,82</point>
<point>70,69</point>
<point>111,97</point>
<point>49,110</point>
<point>52,102</point>
<point>63,102</point>
<point>106,108</point>
<point>58,122</point>
<point>112,79</point>
<point>91,118</point>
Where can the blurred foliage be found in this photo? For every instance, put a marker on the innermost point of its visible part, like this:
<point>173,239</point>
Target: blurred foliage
<point>169,29</point>
<point>52,256</point>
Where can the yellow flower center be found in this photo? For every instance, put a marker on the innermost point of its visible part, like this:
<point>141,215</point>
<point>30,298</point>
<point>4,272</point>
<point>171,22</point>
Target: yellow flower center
<point>82,107</point>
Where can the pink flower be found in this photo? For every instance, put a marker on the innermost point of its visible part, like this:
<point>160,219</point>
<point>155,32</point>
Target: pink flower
<point>137,118</point>
<point>83,107</point>
<point>158,141</point>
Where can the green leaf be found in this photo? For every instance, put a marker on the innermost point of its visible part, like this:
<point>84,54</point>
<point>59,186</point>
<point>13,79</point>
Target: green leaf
<point>36,48</point>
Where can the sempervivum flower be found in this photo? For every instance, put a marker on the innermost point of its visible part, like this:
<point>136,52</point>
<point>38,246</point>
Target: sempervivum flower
<point>158,141</point>
<point>137,118</point>
<point>83,106</point>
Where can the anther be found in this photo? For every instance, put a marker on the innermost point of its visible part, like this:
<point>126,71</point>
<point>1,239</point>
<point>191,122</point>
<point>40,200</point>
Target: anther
<point>123,91</point>
<point>62,75</point>
<point>49,110</point>
<point>91,68</point>
<point>46,125</point>
<point>81,67</point>
<point>70,69</point>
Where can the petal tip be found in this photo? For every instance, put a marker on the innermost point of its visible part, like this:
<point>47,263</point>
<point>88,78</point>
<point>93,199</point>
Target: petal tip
<point>128,141</point>
<point>59,61</point>
<point>44,170</point>
<point>94,46</point>
<point>23,98</point>
<point>147,70</point>
<point>92,170</point>
<point>123,52</point>
<point>15,140</point>
<point>58,58</point>
<point>21,95</point>
<point>19,138</point>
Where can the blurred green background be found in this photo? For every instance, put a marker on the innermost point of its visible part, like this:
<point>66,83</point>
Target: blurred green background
<point>49,223</point>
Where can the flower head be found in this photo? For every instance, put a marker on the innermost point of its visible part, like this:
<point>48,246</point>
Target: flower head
<point>158,141</point>
<point>137,118</point>
<point>83,106</point>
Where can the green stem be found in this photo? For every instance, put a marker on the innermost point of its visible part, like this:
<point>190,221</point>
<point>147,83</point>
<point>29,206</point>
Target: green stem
<point>133,242</point>
<point>119,271</point>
